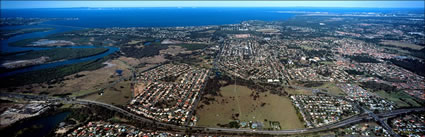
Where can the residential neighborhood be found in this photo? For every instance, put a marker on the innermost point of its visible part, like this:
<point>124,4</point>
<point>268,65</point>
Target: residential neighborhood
<point>169,93</point>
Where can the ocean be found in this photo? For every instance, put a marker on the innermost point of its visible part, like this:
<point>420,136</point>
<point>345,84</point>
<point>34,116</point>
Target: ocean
<point>169,17</point>
<point>147,17</point>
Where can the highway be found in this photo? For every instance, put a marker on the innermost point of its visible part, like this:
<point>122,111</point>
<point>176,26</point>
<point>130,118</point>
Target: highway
<point>344,122</point>
<point>370,113</point>
<point>381,122</point>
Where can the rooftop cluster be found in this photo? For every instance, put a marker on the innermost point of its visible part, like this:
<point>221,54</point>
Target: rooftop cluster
<point>169,93</point>
<point>357,47</point>
<point>364,130</point>
<point>321,110</point>
<point>389,74</point>
<point>105,129</point>
<point>412,125</point>
<point>248,59</point>
<point>368,99</point>
<point>320,73</point>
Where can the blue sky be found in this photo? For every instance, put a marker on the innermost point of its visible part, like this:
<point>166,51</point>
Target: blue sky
<point>68,4</point>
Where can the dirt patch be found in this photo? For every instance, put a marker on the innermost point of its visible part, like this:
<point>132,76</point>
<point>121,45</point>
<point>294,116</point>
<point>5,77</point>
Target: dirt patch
<point>174,50</point>
<point>153,60</point>
<point>129,60</point>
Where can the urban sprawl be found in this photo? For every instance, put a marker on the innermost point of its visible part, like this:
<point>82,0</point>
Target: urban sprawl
<point>374,59</point>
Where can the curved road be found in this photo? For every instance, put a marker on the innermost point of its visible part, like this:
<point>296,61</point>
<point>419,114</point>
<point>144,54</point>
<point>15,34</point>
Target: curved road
<point>348,121</point>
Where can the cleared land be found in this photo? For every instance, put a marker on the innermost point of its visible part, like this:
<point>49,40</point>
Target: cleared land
<point>119,94</point>
<point>331,88</point>
<point>294,91</point>
<point>237,100</point>
<point>402,44</point>
<point>82,82</point>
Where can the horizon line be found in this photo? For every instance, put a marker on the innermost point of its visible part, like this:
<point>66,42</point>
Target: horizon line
<point>220,7</point>
<point>209,4</point>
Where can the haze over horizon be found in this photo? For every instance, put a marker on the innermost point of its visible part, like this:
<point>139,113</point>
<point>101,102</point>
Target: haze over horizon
<point>80,68</point>
<point>134,4</point>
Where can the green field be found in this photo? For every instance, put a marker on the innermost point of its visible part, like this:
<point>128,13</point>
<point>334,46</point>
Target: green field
<point>397,96</point>
<point>331,88</point>
<point>402,44</point>
<point>82,93</point>
<point>306,47</point>
<point>295,91</point>
<point>327,62</point>
<point>237,100</point>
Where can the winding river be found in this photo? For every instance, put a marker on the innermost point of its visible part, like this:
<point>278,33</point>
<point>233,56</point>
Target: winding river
<point>57,29</point>
<point>38,127</point>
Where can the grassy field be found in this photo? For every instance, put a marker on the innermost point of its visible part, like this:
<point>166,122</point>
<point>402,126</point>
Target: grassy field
<point>306,47</point>
<point>192,46</point>
<point>328,86</point>
<point>298,91</point>
<point>395,97</point>
<point>92,81</point>
<point>402,44</point>
<point>237,100</point>
<point>205,63</point>
<point>81,83</point>
<point>119,94</point>
<point>399,50</point>
<point>327,63</point>
<point>82,92</point>
<point>118,119</point>
<point>331,88</point>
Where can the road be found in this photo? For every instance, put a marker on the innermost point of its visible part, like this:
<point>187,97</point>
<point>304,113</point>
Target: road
<point>345,122</point>
<point>381,122</point>
<point>370,113</point>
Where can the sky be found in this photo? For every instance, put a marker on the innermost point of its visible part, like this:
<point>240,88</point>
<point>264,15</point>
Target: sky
<point>69,4</point>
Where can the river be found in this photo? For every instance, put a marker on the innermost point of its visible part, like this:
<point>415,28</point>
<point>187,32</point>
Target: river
<point>39,127</point>
<point>124,17</point>
<point>58,29</point>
